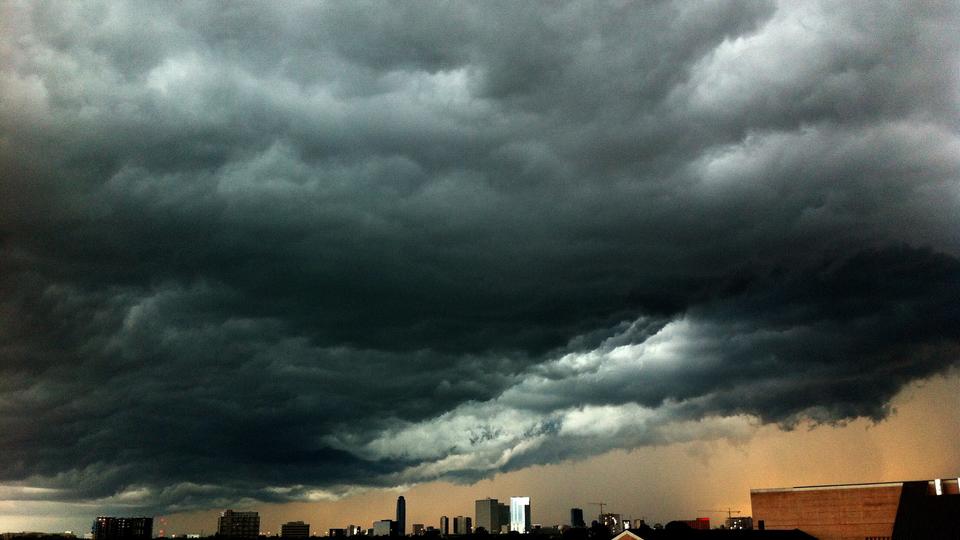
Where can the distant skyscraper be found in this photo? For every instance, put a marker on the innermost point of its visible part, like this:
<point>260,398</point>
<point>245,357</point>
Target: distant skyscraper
<point>520,514</point>
<point>295,529</point>
<point>488,515</point>
<point>238,524</point>
<point>504,517</point>
<point>444,525</point>
<point>576,518</point>
<point>462,525</point>
<point>118,528</point>
<point>401,516</point>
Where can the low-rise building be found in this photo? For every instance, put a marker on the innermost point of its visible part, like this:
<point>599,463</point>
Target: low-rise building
<point>295,529</point>
<point>122,528</point>
<point>928,509</point>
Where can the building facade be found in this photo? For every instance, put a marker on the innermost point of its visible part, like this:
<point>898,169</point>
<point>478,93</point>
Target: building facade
<point>520,514</point>
<point>122,528</point>
<point>295,529</point>
<point>238,524</point>
<point>384,527</point>
<point>444,525</point>
<point>739,523</point>
<point>487,515</point>
<point>928,509</point>
<point>504,517</point>
<point>462,525</point>
<point>417,529</point>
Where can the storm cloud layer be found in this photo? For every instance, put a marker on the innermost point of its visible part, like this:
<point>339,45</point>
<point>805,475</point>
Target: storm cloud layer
<point>277,251</point>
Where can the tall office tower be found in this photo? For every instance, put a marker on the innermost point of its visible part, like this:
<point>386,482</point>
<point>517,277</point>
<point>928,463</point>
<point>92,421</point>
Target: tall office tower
<point>488,515</point>
<point>576,518</point>
<point>520,514</point>
<point>118,528</point>
<point>401,516</point>
<point>468,524</point>
<point>238,524</point>
<point>444,525</point>
<point>295,529</point>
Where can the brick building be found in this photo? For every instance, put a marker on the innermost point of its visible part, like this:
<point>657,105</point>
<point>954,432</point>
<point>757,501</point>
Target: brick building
<point>879,511</point>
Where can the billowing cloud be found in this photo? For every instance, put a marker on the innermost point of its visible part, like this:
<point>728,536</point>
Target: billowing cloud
<point>279,252</point>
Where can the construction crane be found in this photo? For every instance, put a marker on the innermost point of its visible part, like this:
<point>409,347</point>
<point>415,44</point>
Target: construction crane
<point>601,504</point>
<point>729,512</point>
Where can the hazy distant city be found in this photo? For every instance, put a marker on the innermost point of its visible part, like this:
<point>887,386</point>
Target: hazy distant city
<point>878,511</point>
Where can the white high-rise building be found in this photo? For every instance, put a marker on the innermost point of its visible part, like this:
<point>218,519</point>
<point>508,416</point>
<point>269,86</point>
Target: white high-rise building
<point>520,514</point>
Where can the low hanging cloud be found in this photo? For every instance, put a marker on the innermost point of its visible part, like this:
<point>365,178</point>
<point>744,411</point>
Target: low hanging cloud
<point>258,252</point>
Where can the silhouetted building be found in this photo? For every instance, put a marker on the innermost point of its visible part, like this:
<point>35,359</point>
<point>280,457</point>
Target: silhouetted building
<point>444,525</point>
<point>699,524</point>
<point>925,509</point>
<point>384,527</point>
<point>612,522</point>
<point>576,518</point>
<point>296,529</point>
<point>238,524</point>
<point>122,528</point>
<point>488,515</point>
<point>354,530</point>
<point>520,514</point>
<point>418,529</point>
<point>33,535</point>
<point>678,530</point>
<point>336,533</point>
<point>739,523</point>
<point>401,516</point>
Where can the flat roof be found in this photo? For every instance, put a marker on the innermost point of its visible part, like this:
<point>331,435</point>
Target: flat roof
<point>866,485</point>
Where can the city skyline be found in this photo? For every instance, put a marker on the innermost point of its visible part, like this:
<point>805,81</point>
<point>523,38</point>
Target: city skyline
<point>327,260</point>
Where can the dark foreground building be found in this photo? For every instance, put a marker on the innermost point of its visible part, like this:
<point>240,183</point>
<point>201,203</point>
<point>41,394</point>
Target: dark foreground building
<point>686,533</point>
<point>122,528</point>
<point>297,529</point>
<point>921,510</point>
<point>238,524</point>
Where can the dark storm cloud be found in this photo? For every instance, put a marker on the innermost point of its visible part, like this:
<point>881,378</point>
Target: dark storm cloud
<point>251,251</point>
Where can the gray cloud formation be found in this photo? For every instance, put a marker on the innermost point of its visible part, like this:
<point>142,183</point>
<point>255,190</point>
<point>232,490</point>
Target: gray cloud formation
<point>278,251</point>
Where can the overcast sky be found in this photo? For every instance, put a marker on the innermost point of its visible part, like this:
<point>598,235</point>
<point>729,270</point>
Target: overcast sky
<point>269,252</point>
